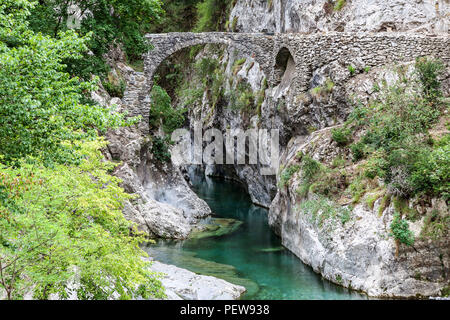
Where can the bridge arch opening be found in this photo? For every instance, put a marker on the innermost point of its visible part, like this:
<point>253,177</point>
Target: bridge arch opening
<point>284,68</point>
<point>163,65</point>
<point>164,47</point>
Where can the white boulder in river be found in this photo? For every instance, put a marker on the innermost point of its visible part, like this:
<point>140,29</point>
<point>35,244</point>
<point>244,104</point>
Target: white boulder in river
<point>184,284</point>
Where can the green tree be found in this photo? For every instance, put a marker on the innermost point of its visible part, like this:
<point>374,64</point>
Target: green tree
<point>42,112</point>
<point>62,232</point>
<point>212,14</point>
<point>110,21</point>
<point>178,16</point>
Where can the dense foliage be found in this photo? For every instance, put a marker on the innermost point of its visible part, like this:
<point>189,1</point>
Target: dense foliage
<point>399,152</point>
<point>400,230</point>
<point>212,14</point>
<point>110,21</point>
<point>62,231</point>
<point>42,110</point>
<point>162,113</point>
<point>178,16</point>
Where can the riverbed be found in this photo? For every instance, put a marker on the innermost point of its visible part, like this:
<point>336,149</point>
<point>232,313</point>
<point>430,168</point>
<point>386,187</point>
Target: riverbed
<point>250,254</point>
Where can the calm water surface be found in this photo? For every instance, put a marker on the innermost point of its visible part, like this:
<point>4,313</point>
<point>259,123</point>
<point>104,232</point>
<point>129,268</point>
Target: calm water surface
<point>251,255</point>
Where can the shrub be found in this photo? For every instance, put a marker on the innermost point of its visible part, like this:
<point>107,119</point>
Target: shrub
<point>385,202</point>
<point>211,14</point>
<point>431,171</point>
<point>322,210</point>
<point>371,198</point>
<point>429,71</point>
<point>260,101</point>
<point>358,188</point>
<point>341,135</point>
<point>357,150</point>
<point>162,112</point>
<point>376,87</point>
<point>401,206</point>
<point>238,62</point>
<point>345,215</point>
<point>400,230</point>
<point>265,84</point>
<point>328,182</point>
<point>338,162</point>
<point>242,98</point>
<point>319,179</point>
<point>160,149</point>
<point>375,165</point>
<point>359,116</point>
<point>237,65</point>
<point>115,90</point>
<point>436,225</point>
<point>310,167</point>
<point>234,24</point>
<point>287,174</point>
<point>206,67</point>
<point>339,5</point>
<point>329,85</point>
<point>317,91</point>
<point>351,69</point>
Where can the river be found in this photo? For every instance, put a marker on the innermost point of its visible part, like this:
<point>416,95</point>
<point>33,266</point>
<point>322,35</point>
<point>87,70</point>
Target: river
<point>250,255</point>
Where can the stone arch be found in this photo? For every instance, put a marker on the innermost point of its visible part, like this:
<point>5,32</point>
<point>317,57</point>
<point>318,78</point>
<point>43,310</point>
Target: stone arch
<point>259,48</point>
<point>284,66</point>
<point>164,49</point>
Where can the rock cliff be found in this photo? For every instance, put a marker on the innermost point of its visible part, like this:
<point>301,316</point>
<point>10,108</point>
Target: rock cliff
<point>164,206</point>
<point>354,248</point>
<point>361,253</point>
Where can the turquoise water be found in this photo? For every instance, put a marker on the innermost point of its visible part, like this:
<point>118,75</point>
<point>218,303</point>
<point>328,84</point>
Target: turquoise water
<point>251,255</point>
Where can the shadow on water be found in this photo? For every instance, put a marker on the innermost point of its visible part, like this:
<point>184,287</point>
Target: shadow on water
<point>251,255</point>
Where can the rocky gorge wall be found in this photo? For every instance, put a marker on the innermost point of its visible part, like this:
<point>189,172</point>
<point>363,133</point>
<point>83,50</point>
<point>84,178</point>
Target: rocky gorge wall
<point>361,253</point>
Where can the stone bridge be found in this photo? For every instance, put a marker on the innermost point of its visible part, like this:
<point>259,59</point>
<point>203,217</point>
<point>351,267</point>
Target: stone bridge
<point>308,51</point>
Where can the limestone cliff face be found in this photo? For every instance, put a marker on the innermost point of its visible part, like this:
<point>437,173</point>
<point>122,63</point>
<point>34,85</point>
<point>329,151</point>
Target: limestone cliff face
<point>359,254</point>
<point>310,16</point>
<point>359,251</point>
<point>283,107</point>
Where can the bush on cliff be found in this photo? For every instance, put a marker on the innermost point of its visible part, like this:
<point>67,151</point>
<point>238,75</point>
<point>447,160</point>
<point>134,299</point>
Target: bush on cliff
<point>396,132</point>
<point>110,21</point>
<point>162,113</point>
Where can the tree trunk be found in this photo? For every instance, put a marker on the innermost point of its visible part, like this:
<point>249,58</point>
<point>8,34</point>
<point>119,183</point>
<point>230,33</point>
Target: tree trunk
<point>397,245</point>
